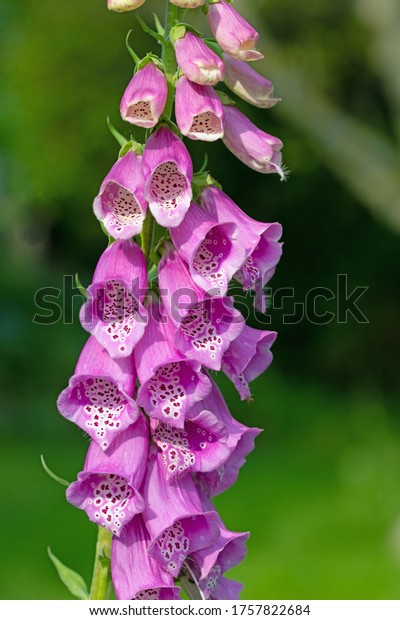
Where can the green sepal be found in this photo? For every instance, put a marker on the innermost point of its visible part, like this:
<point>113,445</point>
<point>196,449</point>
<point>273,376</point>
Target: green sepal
<point>225,99</point>
<point>150,57</point>
<point>158,37</point>
<point>80,287</point>
<point>164,120</point>
<point>212,44</point>
<point>203,179</point>
<point>50,473</point>
<point>159,27</point>
<point>156,252</point>
<point>130,49</point>
<point>179,30</point>
<point>115,133</point>
<point>71,579</point>
<point>131,145</point>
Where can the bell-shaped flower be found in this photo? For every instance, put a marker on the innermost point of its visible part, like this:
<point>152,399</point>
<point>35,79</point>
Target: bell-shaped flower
<point>120,6</point>
<point>168,172</point>
<point>199,111</point>
<point>145,97</point>
<point>114,314</point>
<point>108,487</point>
<point>234,34</point>
<point>240,442</point>
<point>174,517</point>
<point>136,576</point>
<point>170,384</point>
<point>98,398</point>
<point>247,358</point>
<point>251,145</point>
<point>205,324</point>
<point>260,241</point>
<point>245,82</point>
<point>188,4</point>
<point>120,204</point>
<point>211,249</point>
<point>197,61</point>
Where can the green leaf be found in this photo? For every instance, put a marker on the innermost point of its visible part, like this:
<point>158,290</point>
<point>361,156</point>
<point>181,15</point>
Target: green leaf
<point>115,133</point>
<point>158,37</point>
<point>48,471</point>
<point>130,49</point>
<point>80,287</point>
<point>160,29</point>
<point>72,580</point>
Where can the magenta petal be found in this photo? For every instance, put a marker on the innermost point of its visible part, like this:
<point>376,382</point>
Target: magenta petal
<point>199,111</point>
<point>107,488</point>
<point>136,576</point>
<point>99,396</point>
<point>247,358</point>
<point>197,61</point>
<point>168,173</point>
<point>174,517</point>
<point>145,97</point>
<point>211,249</point>
<point>234,34</point>
<point>120,204</point>
<point>114,313</point>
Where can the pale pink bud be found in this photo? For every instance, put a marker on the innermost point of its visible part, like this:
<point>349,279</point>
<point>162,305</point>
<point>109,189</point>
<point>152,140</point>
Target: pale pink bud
<point>187,4</point>
<point>242,80</point>
<point>234,34</point>
<point>197,61</point>
<point>120,6</point>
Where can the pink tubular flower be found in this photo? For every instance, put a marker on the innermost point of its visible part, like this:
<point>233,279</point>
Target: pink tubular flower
<point>206,325</point>
<point>120,204</point>
<point>145,97</point>
<point>197,61</point>
<point>233,33</point>
<point>120,6</point>
<point>188,4</point>
<point>260,241</point>
<point>170,383</point>
<point>247,358</point>
<point>240,443</point>
<point>242,80</point>
<point>107,488</point>
<point>174,517</point>
<point>211,249</point>
<point>114,313</point>
<point>98,398</point>
<point>168,171</point>
<point>251,145</point>
<point>199,111</point>
<point>136,576</point>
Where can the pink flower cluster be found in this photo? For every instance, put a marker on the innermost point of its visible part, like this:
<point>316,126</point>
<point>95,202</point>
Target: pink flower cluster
<point>163,441</point>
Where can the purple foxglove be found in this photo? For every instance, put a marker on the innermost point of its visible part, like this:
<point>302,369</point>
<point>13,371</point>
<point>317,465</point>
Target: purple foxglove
<point>98,398</point>
<point>251,145</point>
<point>188,4</point>
<point>260,240</point>
<point>170,384</point>
<point>120,204</point>
<point>207,325</point>
<point>174,517</point>
<point>234,34</point>
<point>107,488</point>
<point>145,97</point>
<point>136,576</point>
<point>114,314</point>
<point>197,61</point>
<point>247,358</point>
<point>242,80</point>
<point>240,442</point>
<point>168,171</point>
<point>199,111</point>
<point>121,6</point>
<point>200,446</point>
<point>209,248</point>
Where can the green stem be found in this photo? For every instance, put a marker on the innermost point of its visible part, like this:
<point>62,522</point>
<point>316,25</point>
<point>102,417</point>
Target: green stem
<point>171,18</point>
<point>148,235</point>
<point>101,581</point>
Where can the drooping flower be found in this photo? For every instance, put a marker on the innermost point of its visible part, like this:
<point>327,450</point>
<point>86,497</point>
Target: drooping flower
<point>98,398</point>
<point>197,61</point>
<point>260,240</point>
<point>211,249</point>
<point>170,384</point>
<point>174,517</point>
<point>120,204</point>
<point>242,80</point>
<point>248,357</point>
<point>205,324</point>
<point>136,576</point>
<point>234,34</point>
<point>108,487</point>
<point>120,6</point>
<point>240,442</point>
<point>168,173</point>
<point>188,4</point>
<point>251,145</point>
<point>199,112</point>
<point>145,97</point>
<point>114,313</point>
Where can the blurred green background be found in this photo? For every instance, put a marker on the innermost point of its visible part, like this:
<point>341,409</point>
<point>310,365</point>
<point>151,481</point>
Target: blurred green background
<point>320,494</point>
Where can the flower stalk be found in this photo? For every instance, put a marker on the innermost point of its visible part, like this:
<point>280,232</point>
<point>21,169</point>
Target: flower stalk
<point>101,583</point>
